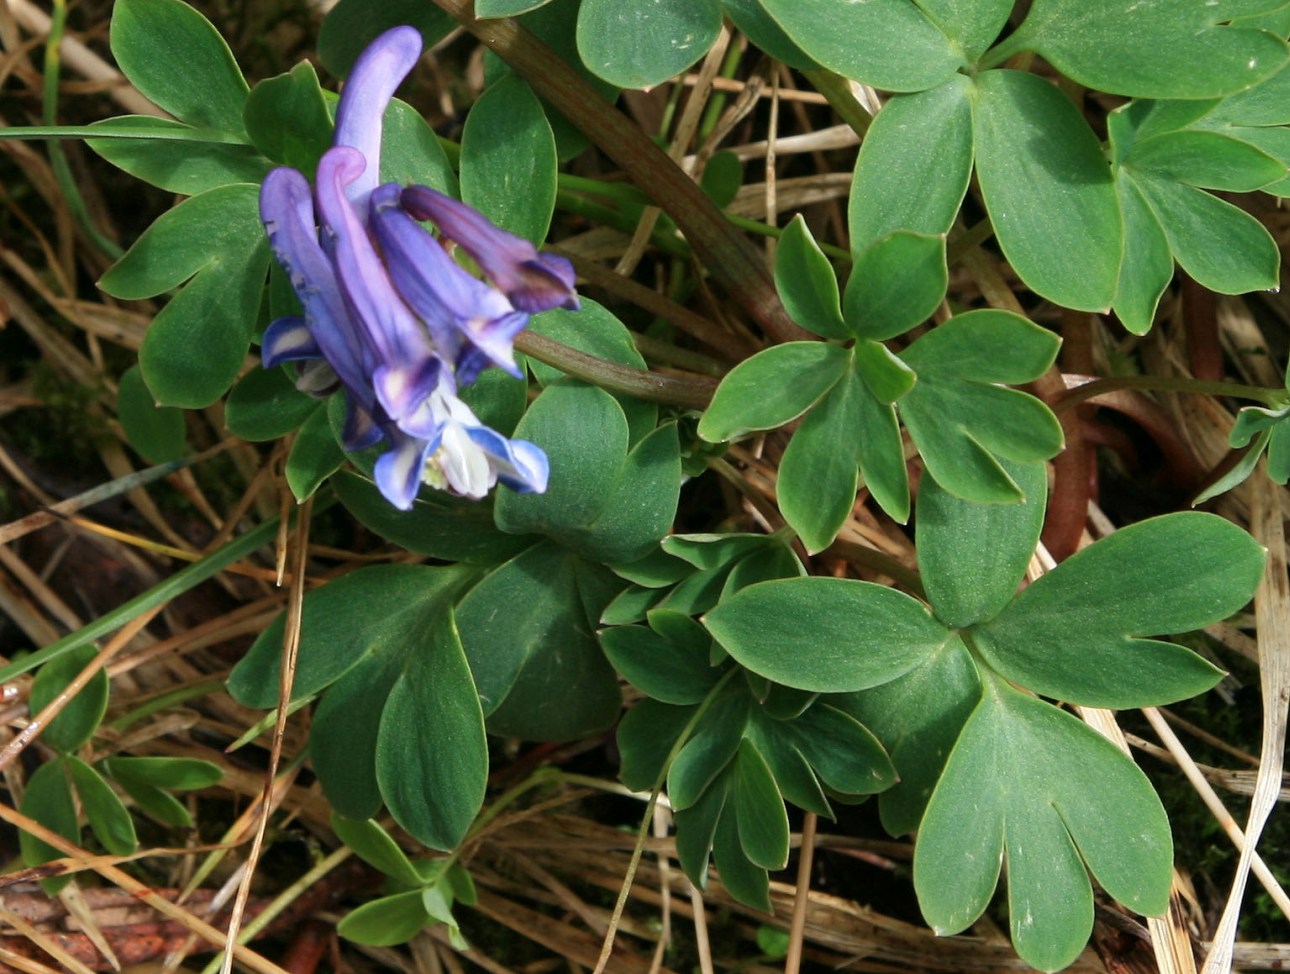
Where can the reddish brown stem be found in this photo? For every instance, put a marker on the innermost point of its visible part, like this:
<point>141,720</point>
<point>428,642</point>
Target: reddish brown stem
<point>1200,316</point>
<point>730,256</point>
<point>1075,468</point>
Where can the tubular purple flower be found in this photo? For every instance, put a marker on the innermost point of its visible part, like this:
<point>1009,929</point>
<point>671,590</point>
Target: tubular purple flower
<point>407,368</point>
<point>532,281</point>
<point>462,313</point>
<point>327,330</point>
<point>371,84</point>
<point>389,316</point>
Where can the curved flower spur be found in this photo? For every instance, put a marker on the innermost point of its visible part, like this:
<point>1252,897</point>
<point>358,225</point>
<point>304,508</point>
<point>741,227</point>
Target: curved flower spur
<point>389,316</point>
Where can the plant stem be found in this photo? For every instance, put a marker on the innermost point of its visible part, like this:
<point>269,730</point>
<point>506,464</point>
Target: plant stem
<point>837,90</point>
<point>693,391</point>
<point>607,948</point>
<point>731,258</point>
<point>1164,383</point>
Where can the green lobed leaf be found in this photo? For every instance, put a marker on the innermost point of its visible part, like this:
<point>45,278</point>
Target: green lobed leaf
<point>971,24</point>
<point>843,752</point>
<point>596,330</point>
<point>880,447</point>
<point>1145,118</point>
<point>1219,244</point>
<point>773,387</point>
<point>816,483</point>
<point>751,18</point>
<point>374,846</point>
<point>431,754</point>
<point>177,774</point>
<point>386,921</point>
<point>696,829</point>
<point>609,504</point>
<point>1279,454</point>
<point>188,168</point>
<point>710,748</point>
<point>265,404</point>
<point>672,671</point>
<point>1100,46</point>
<point>286,117</point>
<point>1032,786</point>
<point>896,283</point>
<point>485,9</point>
<point>108,817</point>
<point>890,44</point>
<point>657,570</point>
<point>498,399</point>
<point>1148,264</point>
<point>959,416</point>
<point>537,666</point>
<point>353,24</point>
<point>1209,160</point>
<point>1047,189</point>
<point>722,178</point>
<point>884,373</point>
<point>646,735</point>
<point>631,605</point>
<point>744,880</point>
<point>343,735</point>
<point>186,240</point>
<point>176,58</point>
<point>759,809</point>
<point>48,800</point>
<point>807,283</point>
<point>80,716</point>
<point>825,634</point>
<point>972,556</point>
<point>315,455</point>
<point>1252,420</point>
<point>1267,103</point>
<point>584,433</point>
<point>411,153</point>
<point>642,507</point>
<point>438,525</point>
<point>641,45</point>
<point>437,900</point>
<point>792,772</point>
<point>156,432</point>
<point>508,159</point>
<point>1275,141</point>
<point>914,165</point>
<point>1073,633</point>
<point>555,24</point>
<point>918,717</point>
<point>399,602</point>
<point>158,803</point>
<point>776,560</point>
<point>197,344</point>
<point>706,551</point>
<point>1240,472</point>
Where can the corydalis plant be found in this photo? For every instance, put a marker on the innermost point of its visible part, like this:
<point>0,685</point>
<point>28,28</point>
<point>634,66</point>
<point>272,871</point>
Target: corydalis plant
<point>389,316</point>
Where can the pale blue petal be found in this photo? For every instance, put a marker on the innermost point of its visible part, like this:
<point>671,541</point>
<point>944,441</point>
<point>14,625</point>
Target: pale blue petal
<point>288,340</point>
<point>398,471</point>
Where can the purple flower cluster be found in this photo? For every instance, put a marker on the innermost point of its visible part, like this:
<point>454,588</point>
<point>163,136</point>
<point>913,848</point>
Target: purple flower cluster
<point>389,315</point>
